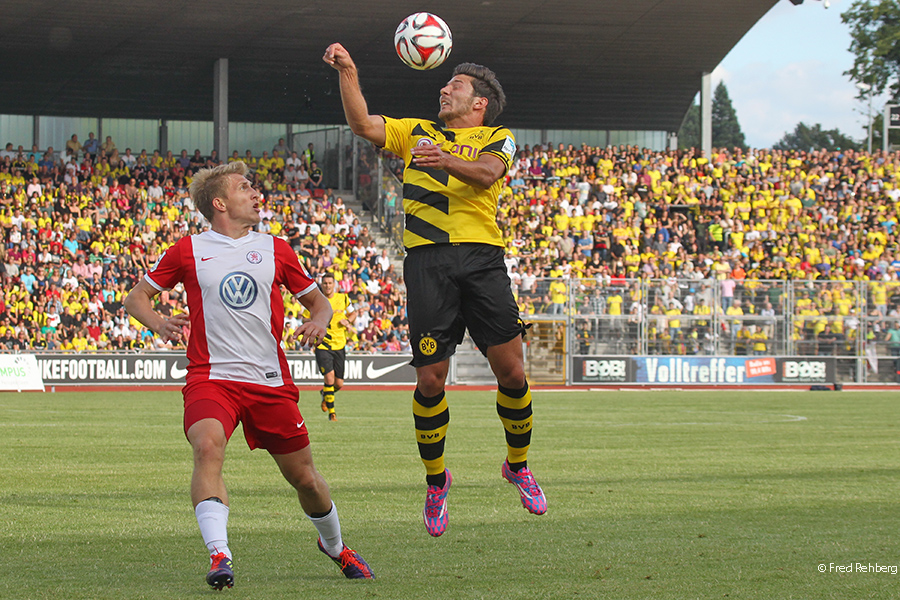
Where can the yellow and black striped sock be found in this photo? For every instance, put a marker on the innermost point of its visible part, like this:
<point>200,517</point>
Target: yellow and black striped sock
<point>514,408</point>
<point>432,417</point>
<point>328,397</point>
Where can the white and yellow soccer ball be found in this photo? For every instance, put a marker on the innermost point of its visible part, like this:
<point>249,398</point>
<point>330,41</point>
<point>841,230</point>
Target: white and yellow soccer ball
<point>423,41</point>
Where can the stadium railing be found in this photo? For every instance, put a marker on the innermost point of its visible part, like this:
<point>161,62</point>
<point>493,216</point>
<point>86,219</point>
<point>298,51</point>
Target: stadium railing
<point>591,318</point>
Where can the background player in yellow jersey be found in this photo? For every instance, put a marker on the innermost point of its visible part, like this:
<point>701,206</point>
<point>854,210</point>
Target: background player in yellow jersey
<point>454,270</point>
<point>331,353</point>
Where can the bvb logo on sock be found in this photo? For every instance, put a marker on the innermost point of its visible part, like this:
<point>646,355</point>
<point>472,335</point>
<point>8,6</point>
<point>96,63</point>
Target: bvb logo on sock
<point>427,345</point>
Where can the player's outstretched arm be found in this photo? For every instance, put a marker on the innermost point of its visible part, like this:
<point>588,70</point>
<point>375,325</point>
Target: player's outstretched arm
<point>313,330</point>
<point>370,127</point>
<point>347,321</point>
<point>139,304</point>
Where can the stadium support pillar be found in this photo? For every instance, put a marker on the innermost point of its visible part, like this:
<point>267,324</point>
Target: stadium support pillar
<point>36,132</point>
<point>891,121</point>
<point>340,157</point>
<point>355,185</point>
<point>163,136</point>
<point>706,114</point>
<point>220,108</point>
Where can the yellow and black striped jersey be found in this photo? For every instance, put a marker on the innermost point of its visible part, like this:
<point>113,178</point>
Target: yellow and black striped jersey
<point>336,335</point>
<point>441,209</point>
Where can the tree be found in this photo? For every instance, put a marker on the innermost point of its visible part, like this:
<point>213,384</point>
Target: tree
<point>805,137</point>
<point>726,131</point>
<point>875,45</point>
<point>689,134</point>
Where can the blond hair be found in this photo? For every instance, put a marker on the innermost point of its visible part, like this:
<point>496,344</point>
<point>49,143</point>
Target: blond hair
<point>208,184</point>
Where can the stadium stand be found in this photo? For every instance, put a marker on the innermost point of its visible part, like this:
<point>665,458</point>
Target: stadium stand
<point>79,232</point>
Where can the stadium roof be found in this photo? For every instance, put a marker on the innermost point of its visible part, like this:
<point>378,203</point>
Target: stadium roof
<point>565,64</point>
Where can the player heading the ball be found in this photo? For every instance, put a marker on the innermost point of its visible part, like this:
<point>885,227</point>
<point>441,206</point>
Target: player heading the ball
<point>455,275</point>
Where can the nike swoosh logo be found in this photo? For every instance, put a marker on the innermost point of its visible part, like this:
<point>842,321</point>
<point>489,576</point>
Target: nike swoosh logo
<point>373,373</point>
<point>300,424</point>
<point>206,258</point>
<point>177,373</point>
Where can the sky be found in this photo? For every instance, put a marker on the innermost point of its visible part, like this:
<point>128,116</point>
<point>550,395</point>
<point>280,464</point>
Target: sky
<point>789,68</point>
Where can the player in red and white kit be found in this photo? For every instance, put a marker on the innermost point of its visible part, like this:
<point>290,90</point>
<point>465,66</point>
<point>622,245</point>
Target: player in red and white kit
<point>237,371</point>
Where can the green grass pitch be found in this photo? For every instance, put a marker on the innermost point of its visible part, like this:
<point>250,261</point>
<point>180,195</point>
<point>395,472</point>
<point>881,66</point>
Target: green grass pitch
<point>675,495</point>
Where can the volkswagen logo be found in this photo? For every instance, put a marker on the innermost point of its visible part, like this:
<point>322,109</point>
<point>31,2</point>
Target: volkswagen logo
<point>238,290</point>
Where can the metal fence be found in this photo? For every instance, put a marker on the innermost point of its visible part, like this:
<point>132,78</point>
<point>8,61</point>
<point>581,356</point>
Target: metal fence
<point>848,320</point>
<point>380,190</point>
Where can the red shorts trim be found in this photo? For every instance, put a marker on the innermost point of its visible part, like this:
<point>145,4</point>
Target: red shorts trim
<point>270,415</point>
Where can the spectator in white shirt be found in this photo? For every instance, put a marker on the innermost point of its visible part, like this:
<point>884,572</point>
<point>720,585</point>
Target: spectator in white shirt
<point>362,319</point>
<point>383,260</point>
<point>34,187</point>
<point>155,192</point>
<point>342,228</point>
<point>129,158</point>
<point>293,161</point>
<point>290,174</point>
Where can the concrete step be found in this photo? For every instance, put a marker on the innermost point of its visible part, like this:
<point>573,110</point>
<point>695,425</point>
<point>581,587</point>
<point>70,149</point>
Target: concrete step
<point>366,217</point>
<point>471,365</point>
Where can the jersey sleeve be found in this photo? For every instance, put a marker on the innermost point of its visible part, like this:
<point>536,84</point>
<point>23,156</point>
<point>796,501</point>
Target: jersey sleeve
<point>501,144</point>
<point>170,268</point>
<point>396,136</point>
<point>289,272</point>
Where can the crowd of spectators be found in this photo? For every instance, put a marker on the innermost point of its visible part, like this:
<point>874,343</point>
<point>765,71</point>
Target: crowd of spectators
<point>82,226</point>
<point>630,213</point>
<point>716,234</point>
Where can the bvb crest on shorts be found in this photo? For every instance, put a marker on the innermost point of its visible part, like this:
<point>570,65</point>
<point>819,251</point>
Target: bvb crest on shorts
<point>427,345</point>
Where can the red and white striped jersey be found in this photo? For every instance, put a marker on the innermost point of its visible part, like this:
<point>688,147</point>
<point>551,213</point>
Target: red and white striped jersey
<point>235,304</point>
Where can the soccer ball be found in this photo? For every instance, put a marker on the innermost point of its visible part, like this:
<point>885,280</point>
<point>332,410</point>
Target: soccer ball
<point>423,41</point>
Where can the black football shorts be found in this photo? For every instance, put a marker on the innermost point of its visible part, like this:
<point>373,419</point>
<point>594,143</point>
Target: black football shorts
<point>331,360</point>
<point>451,287</point>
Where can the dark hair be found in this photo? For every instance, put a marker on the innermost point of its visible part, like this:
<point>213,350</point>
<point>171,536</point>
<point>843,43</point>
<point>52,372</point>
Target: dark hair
<point>485,85</point>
